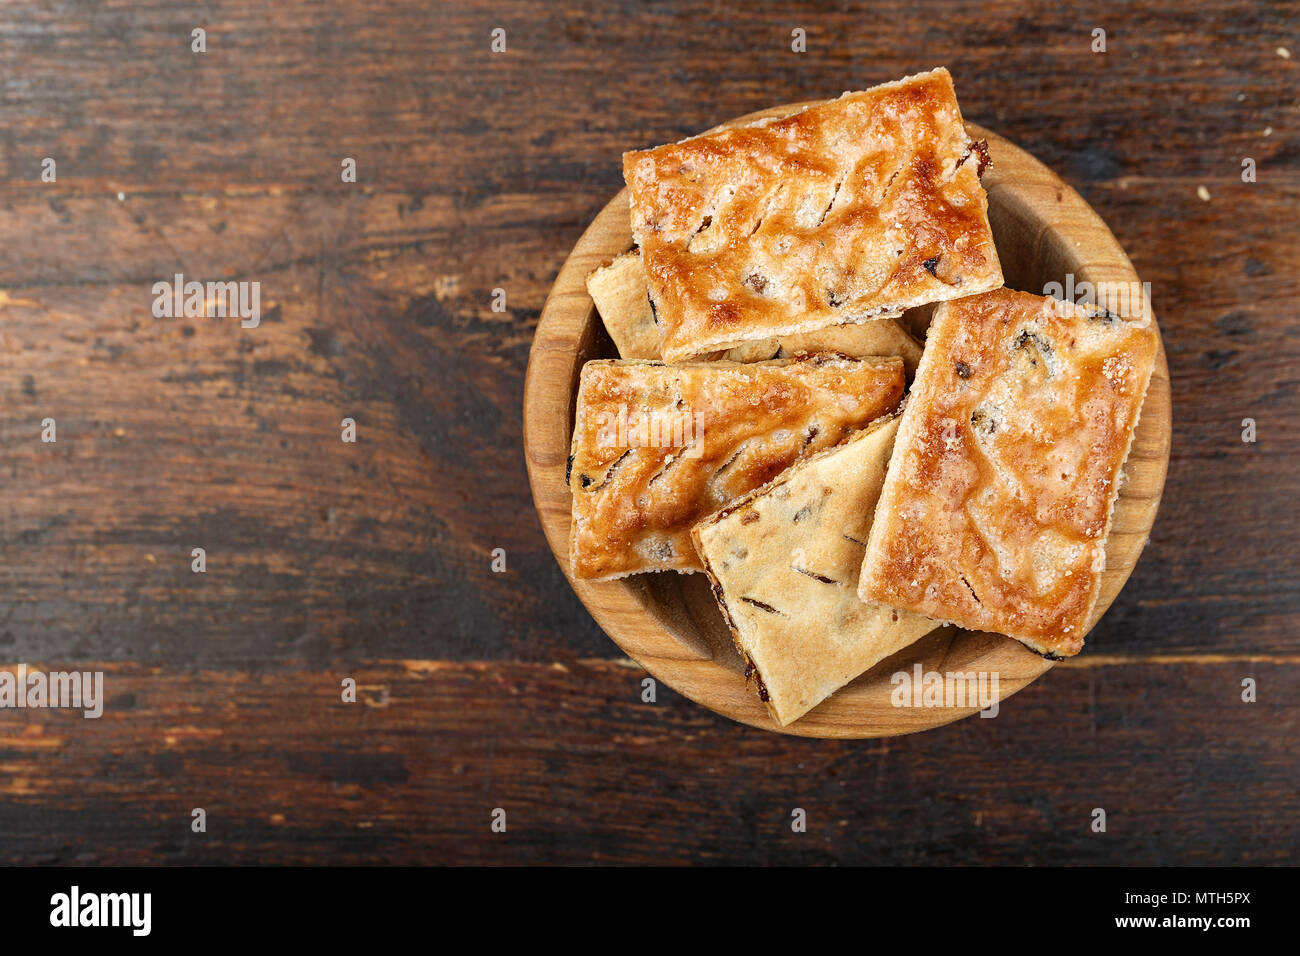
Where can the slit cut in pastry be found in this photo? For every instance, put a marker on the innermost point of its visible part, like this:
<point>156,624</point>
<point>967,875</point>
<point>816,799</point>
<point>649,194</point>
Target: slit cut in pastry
<point>1003,480</point>
<point>619,291</point>
<point>843,212</point>
<point>784,564</point>
<point>658,447</point>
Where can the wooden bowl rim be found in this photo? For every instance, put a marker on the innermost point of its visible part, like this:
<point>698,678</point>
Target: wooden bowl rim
<point>653,635</point>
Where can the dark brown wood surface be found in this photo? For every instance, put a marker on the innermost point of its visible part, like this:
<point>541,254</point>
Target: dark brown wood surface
<point>477,171</point>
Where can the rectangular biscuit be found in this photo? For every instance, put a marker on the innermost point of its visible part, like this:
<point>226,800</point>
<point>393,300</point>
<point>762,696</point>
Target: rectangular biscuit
<point>658,447</point>
<point>1004,476</point>
<point>866,205</point>
<point>619,292</point>
<point>784,563</point>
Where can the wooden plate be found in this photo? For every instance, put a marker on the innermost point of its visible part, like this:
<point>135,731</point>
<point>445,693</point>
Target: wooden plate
<point>670,624</point>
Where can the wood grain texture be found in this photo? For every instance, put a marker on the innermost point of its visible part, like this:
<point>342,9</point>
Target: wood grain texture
<point>481,171</point>
<point>670,623</point>
<point>413,772</point>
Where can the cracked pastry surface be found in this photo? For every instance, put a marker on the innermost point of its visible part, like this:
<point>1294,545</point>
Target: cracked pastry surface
<point>784,563</point>
<point>842,212</point>
<point>619,292</point>
<point>1003,479</point>
<point>658,447</point>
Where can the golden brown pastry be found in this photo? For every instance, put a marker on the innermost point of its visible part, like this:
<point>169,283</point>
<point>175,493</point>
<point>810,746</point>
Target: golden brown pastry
<point>619,292</point>
<point>658,447</point>
<point>842,212</point>
<point>1002,482</point>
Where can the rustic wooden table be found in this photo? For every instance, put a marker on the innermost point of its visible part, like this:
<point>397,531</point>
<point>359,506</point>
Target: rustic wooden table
<point>326,560</point>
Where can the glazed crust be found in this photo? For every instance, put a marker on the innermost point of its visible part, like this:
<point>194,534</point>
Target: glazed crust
<point>619,292</point>
<point>845,211</point>
<point>1004,476</point>
<point>784,563</point>
<point>658,447</point>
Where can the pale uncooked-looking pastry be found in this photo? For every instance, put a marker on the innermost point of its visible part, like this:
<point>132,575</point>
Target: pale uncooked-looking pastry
<point>784,563</point>
<point>618,289</point>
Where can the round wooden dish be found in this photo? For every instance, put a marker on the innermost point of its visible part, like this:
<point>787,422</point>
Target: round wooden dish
<point>670,624</point>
